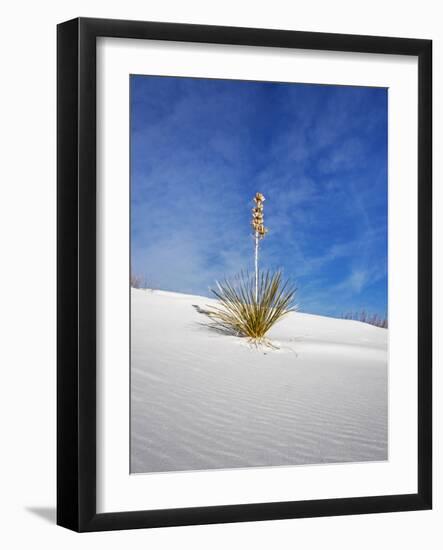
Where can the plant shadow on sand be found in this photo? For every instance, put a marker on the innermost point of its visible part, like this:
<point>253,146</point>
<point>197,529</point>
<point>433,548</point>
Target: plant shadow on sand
<point>212,326</point>
<point>264,346</point>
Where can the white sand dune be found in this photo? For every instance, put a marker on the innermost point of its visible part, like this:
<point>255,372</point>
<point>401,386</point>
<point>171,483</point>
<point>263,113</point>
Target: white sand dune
<point>201,399</point>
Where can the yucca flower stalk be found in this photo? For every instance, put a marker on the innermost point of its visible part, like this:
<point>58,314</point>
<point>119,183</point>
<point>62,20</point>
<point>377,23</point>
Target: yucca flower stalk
<point>259,232</point>
<point>248,305</point>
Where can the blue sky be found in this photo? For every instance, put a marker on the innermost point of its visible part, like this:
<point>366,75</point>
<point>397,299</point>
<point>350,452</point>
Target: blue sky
<point>201,149</point>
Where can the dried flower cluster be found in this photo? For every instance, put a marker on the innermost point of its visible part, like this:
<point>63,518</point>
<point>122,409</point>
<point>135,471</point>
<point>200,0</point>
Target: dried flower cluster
<point>257,216</point>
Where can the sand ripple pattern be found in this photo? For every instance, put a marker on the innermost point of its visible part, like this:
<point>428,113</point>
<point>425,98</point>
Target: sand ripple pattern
<point>202,400</point>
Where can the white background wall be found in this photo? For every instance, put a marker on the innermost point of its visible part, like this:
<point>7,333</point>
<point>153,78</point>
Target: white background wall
<point>27,287</point>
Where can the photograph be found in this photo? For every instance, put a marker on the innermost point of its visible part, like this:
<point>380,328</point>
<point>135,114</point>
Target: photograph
<point>244,274</point>
<point>258,274</point>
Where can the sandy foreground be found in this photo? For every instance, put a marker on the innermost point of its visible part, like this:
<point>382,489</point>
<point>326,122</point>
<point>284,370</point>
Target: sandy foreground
<point>203,400</point>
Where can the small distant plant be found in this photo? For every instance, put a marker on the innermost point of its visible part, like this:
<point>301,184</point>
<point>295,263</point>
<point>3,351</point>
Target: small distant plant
<point>137,281</point>
<point>250,305</point>
<point>371,319</point>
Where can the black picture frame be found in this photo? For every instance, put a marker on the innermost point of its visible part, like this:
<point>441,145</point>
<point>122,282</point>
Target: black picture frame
<point>76,265</point>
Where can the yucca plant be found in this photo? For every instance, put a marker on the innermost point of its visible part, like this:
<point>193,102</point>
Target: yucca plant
<point>250,305</point>
<point>243,312</point>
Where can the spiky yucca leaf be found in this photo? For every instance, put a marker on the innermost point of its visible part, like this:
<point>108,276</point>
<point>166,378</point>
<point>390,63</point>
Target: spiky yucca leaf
<point>241,313</point>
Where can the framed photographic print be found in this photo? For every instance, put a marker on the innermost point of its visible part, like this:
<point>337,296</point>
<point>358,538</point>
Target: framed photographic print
<point>244,274</point>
